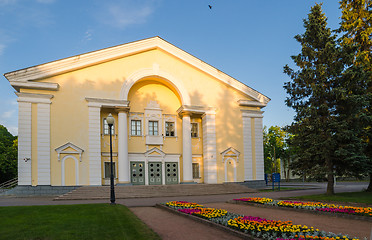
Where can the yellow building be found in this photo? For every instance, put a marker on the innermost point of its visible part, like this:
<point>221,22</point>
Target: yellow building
<point>177,119</point>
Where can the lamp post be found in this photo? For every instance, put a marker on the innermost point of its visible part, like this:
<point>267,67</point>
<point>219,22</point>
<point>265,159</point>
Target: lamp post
<point>110,121</point>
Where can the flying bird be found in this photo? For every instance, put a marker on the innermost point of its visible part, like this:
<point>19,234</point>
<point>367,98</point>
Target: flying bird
<point>210,6</point>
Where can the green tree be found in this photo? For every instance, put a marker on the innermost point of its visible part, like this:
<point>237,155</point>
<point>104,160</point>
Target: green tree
<point>324,92</point>
<point>8,155</point>
<point>356,25</point>
<point>274,148</point>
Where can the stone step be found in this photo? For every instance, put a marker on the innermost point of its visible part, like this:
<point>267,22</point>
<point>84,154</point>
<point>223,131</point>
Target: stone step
<point>103,192</point>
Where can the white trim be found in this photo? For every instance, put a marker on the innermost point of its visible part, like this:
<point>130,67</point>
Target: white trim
<point>170,118</point>
<point>62,150</point>
<point>248,103</point>
<point>247,143</point>
<point>209,148</point>
<point>88,59</point>
<point>76,169</point>
<point>235,153</point>
<point>24,143</point>
<point>34,85</point>
<point>43,144</point>
<point>110,103</point>
<point>135,116</point>
<point>94,150</point>
<point>225,163</point>
<point>252,113</point>
<point>260,166</point>
<point>34,97</point>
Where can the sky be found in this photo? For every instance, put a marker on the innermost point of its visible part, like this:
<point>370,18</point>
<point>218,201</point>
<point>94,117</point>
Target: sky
<point>250,40</point>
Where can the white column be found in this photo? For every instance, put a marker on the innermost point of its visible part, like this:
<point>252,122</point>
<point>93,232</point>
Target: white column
<point>94,145</point>
<point>43,143</point>
<point>247,143</point>
<point>260,166</point>
<point>123,160</point>
<point>209,147</point>
<point>24,143</point>
<point>186,148</point>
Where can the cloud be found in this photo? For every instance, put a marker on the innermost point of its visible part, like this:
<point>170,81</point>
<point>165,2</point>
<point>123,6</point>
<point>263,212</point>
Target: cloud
<point>8,114</point>
<point>87,36</point>
<point>2,47</point>
<point>6,2</point>
<point>129,12</point>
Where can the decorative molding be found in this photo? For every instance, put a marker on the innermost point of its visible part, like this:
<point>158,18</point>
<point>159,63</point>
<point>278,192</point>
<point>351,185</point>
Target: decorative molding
<point>154,150</point>
<point>197,110</point>
<point>17,85</point>
<point>62,150</point>
<point>107,154</point>
<point>226,154</point>
<point>104,55</point>
<point>252,113</point>
<point>109,103</point>
<point>34,97</point>
<point>248,103</point>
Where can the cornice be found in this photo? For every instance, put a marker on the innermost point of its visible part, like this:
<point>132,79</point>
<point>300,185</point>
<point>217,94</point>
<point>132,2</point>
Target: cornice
<point>34,97</point>
<point>17,85</point>
<point>199,110</point>
<point>92,58</point>
<point>109,103</point>
<point>248,103</point>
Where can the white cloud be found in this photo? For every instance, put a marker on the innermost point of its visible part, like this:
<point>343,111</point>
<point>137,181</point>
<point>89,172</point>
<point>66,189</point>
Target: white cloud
<point>128,12</point>
<point>2,47</point>
<point>8,114</point>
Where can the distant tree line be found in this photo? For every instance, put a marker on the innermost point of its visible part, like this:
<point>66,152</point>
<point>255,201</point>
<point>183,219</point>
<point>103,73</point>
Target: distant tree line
<point>8,155</point>
<point>330,91</point>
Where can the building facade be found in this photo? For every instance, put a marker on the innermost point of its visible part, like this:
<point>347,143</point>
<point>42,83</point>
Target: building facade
<point>177,119</point>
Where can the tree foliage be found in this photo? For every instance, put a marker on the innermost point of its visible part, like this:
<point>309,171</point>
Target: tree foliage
<point>8,155</point>
<point>356,26</point>
<point>326,93</point>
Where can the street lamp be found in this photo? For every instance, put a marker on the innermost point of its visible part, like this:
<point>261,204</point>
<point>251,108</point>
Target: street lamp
<point>110,121</point>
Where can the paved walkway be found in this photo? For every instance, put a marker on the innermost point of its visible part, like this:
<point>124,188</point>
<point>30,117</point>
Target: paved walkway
<point>171,226</point>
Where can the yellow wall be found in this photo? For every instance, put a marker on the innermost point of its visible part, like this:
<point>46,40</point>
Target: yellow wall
<point>69,110</point>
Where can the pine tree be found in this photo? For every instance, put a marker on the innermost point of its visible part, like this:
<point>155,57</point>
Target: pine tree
<point>356,25</point>
<point>324,93</point>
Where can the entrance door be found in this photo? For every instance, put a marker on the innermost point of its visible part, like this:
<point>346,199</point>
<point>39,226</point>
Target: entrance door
<point>171,173</point>
<point>155,174</point>
<point>137,170</point>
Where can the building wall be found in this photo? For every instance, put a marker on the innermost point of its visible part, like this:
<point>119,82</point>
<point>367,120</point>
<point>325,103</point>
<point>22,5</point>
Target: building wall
<point>69,112</point>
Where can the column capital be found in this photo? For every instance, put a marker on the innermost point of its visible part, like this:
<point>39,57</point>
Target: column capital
<point>252,113</point>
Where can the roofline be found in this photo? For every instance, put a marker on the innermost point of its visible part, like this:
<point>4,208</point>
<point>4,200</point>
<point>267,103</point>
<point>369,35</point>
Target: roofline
<point>76,62</point>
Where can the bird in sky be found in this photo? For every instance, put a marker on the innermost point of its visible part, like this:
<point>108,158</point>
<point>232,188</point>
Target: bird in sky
<point>210,6</point>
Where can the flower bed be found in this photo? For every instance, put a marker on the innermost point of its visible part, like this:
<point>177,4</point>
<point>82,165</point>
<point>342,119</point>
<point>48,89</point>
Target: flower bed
<point>255,226</point>
<point>315,206</point>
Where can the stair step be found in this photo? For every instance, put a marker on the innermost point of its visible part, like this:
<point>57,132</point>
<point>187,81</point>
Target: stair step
<point>103,192</point>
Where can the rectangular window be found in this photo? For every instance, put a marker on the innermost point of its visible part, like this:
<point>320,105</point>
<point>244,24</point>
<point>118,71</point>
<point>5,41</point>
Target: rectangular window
<point>169,129</point>
<point>106,128</point>
<point>195,170</point>
<point>108,170</point>
<point>153,128</point>
<point>136,128</point>
<point>194,130</point>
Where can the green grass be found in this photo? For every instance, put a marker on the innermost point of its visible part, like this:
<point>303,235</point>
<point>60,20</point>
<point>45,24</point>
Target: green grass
<point>352,197</point>
<point>89,221</point>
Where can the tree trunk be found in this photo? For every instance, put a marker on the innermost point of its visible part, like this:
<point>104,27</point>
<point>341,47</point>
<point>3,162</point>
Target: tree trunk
<point>369,189</point>
<point>330,178</point>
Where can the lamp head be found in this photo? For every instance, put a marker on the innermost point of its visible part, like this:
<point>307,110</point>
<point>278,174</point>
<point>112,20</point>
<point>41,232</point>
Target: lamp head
<point>110,120</point>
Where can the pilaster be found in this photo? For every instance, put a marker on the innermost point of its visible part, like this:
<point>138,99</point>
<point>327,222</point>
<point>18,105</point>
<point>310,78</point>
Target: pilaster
<point>94,154</point>
<point>209,147</point>
<point>123,162</point>
<point>186,148</point>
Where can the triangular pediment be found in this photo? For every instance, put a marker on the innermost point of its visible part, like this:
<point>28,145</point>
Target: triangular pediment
<point>154,152</point>
<point>69,148</point>
<point>25,78</point>
<point>231,152</point>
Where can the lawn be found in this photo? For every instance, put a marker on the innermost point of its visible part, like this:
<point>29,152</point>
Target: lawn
<point>89,221</point>
<point>351,197</point>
